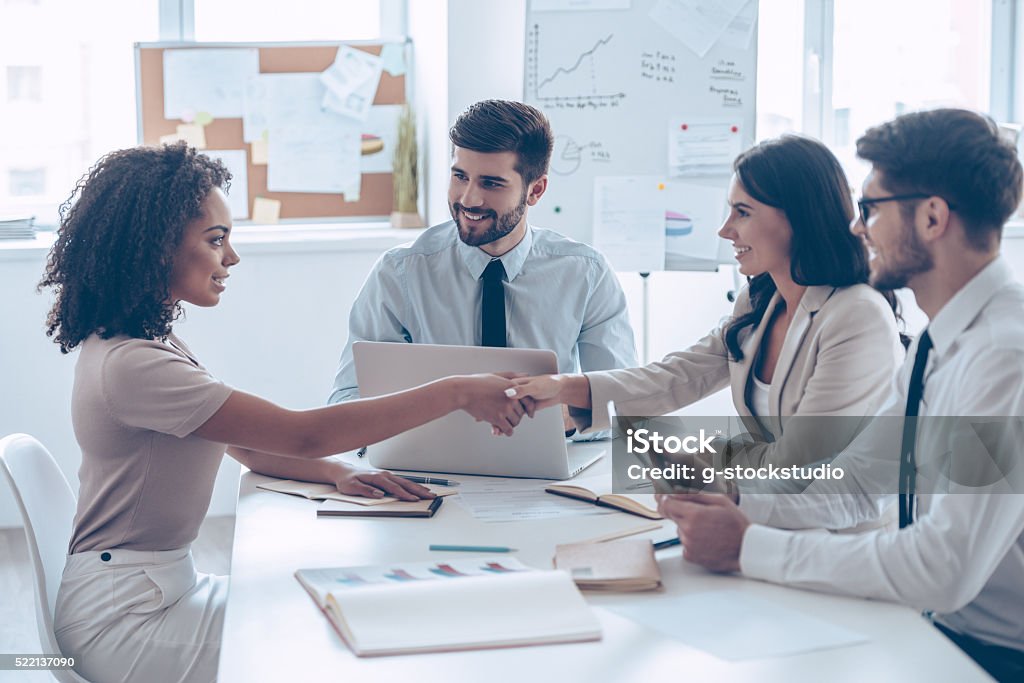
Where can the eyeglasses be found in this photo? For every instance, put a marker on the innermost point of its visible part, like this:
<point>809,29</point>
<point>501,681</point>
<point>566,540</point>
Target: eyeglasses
<point>865,204</point>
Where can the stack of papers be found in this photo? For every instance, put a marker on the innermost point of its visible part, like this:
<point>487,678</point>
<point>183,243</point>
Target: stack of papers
<point>17,228</point>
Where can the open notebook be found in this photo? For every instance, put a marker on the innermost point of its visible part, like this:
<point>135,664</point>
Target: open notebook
<point>597,490</point>
<point>463,604</point>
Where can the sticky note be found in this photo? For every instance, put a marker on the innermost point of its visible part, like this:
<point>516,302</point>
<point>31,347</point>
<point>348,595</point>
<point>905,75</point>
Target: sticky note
<point>203,118</point>
<point>392,57</point>
<point>259,152</point>
<point>193,134</point>
<point>266,211</point>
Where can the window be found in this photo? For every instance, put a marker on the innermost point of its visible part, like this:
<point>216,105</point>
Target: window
<point>27,182</point>
<point>69,96</point>
<point>263,20</point>
<point>780,67</point>
<point>895,57</point>
<point>24,83</point>
<point>834,68</point>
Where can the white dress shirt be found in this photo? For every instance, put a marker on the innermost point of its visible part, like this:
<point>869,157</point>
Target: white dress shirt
<point>963,558</point>
<point>559,295</point>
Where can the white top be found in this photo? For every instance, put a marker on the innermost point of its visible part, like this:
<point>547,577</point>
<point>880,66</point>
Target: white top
<point>964,556</point>
<point>559,295</point>
<point>759,404</point>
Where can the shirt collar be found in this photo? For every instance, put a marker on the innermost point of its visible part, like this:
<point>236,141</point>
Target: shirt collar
<point>476,259</point>
<point>960,311</point>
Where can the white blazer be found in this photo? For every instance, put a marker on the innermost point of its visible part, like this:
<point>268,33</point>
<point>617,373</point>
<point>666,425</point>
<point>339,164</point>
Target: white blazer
<point>839,358</point>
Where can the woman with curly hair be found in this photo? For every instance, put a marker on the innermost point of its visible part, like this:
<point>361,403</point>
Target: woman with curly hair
<point>149,230</point>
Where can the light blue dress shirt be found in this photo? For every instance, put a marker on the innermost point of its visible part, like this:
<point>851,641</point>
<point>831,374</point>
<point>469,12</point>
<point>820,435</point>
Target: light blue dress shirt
<point>559,295</point>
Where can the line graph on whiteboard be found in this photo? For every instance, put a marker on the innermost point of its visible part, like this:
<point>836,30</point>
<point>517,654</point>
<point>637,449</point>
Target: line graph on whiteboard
<point>570,81</point>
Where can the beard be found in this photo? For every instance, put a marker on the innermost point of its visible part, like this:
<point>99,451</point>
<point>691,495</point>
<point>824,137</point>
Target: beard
<point>501,224</point>
<point>909,258</point>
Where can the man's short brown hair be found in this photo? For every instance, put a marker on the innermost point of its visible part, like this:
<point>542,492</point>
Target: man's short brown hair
<point>506,126</point>
<point>954,154</point>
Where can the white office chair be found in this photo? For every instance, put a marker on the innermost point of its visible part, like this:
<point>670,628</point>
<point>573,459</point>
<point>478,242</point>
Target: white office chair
<point>47,506</point>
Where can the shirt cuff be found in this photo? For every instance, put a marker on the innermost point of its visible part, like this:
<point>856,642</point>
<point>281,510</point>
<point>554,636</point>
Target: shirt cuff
<point>757,508</point>
<point>600,388</point>
<point>763,553</point>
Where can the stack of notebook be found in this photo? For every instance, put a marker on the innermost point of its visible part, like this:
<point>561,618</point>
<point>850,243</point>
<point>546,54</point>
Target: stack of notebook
<point>17,228</point>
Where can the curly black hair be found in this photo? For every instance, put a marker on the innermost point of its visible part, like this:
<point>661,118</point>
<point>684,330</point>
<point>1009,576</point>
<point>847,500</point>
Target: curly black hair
<point>111,264</point>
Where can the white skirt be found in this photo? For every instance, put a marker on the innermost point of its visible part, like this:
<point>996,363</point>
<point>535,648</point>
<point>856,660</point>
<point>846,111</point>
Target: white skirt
<point>132,615</point>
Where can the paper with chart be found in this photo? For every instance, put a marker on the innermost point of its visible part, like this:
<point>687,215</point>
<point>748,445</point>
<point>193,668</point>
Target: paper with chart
<point>734,626</point>
<point>209,81</point>
<point>629,222</point>
<point>693,216</point>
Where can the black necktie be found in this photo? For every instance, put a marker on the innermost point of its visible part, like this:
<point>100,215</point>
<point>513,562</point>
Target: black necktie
<point>492,316</point>
<point>908,466</point>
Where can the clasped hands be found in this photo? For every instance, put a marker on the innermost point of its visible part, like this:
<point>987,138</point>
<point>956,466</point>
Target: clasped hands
<point>502,399</point>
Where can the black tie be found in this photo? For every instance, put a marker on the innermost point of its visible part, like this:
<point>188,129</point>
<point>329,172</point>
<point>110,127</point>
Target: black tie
<point>908,465</point>
<point>492,316</point>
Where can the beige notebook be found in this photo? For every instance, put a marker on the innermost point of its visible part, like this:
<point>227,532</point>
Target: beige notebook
<point>627,565</point>
<point>314,491</point>
<point>461,604</point>
<point>642,504</point>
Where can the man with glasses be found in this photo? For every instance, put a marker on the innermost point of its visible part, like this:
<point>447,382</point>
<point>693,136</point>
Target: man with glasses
<point>941,187</point>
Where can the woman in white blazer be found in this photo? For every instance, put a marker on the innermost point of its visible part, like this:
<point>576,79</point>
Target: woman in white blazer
<point>807,337</point>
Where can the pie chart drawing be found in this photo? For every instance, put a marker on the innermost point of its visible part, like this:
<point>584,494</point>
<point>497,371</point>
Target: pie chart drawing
<point>677,224</point>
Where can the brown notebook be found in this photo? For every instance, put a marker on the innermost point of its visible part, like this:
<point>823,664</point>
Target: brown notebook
<point>642,505</point>
<point>399,508</point>
<point>627,565</point>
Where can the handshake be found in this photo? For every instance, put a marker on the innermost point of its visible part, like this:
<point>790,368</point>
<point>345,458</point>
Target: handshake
<point>503,399</point>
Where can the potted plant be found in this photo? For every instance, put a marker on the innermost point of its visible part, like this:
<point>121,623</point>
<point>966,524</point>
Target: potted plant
<point>405,213</point>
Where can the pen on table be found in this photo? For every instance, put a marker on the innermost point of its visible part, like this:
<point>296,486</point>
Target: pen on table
<point>667,543</point>
<point>361,452</point>
<point>428,480</point>
<point>474,548</point>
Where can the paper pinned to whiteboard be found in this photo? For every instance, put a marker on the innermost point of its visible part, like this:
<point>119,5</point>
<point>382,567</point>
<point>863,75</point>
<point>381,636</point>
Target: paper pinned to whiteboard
<point>629,222</point>
<point>703,147</point>
<point>208,80</point>
<point>697,24</point>
<point>741,30</point>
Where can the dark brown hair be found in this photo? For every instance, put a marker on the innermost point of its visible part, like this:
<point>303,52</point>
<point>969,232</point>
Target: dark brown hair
<point>110,267</point>
<point>954,154</point>
<point>802,178</point>
<point>506,126</point>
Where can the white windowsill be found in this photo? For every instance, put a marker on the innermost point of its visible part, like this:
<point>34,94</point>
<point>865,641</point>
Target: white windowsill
<point>374,236</point>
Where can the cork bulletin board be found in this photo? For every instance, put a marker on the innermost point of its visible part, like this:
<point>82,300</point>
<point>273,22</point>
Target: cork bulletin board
<point>375,198</point>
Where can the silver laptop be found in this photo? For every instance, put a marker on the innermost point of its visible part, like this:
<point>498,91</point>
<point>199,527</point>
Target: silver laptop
<point>457,443</point>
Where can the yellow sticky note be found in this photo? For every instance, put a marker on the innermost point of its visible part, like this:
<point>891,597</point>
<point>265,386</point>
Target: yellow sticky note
<point>203,118</point>
<point>265,210</point>
<point>259,152</point>
<point>169,139</point>
<point>193,134</point>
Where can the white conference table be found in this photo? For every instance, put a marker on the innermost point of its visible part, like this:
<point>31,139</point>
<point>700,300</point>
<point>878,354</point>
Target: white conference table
<point>274,632</point>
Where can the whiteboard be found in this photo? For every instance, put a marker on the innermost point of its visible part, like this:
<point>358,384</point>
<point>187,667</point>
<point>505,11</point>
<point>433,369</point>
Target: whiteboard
<point>624,82</point>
